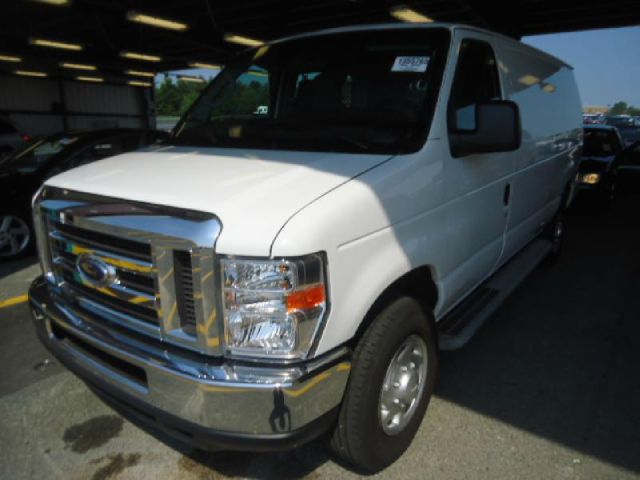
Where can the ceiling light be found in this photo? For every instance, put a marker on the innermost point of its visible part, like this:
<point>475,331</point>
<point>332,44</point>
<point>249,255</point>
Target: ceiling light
<point>139,73</point>
<point>191,79</point>
<point>250,42</point>
<point>528,79</point>
<point>140,56</point>
<point>136,83</point>
<point>77,66</point>
<point>10,58</point>
<point>41,42</point>
<point>205,65</point>
<point>30,73</point>
<point>409,15</point>
<point>57,3</point>
<point>156,21</point>
<point>549,88</point>
<point>90,79</point>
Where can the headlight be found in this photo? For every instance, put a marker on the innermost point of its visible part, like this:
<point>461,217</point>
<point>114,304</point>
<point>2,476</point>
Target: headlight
<point>590,178</point>
<point>273,308</point>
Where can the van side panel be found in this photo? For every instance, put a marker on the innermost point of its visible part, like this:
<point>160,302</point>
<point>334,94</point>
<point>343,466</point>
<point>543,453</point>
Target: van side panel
<point>551,115</point>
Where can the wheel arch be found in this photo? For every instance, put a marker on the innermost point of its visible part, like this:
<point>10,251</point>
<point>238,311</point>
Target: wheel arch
<point>418,283</point>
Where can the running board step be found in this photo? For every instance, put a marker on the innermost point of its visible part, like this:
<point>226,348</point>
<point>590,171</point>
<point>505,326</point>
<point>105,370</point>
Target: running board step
<point>461,323</point>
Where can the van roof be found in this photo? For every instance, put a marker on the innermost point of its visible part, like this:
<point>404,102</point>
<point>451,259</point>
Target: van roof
<point>407,26</point>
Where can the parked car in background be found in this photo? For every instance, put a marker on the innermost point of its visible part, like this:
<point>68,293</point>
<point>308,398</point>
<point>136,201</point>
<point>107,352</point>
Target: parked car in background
<point>591,118</point>
<point>628,126</point>
<point>602,152</point>
<point>22,173</point>
<point>620,120</point>
<point>10,137</point>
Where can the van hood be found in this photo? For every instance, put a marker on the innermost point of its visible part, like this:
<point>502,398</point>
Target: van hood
<point>252,192</point>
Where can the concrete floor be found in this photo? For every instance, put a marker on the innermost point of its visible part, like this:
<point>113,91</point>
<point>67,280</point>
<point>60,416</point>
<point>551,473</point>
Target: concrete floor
<point>549,388</point>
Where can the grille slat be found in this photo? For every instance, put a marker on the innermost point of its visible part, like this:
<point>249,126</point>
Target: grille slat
<point>185,291</point>
<point>147,314</point>
<point>109,243</point>
<point>138,285</point>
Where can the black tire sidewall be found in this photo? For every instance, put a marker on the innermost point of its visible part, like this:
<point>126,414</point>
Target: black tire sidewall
<point>380,449</point>
<point>549,234</point>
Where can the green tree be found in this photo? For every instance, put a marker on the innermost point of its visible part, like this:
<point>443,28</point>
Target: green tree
<point>619,108</point>
<point>635,111</point>
<point>188,92</point>
<point>174,98</point>
<point>167,98</point>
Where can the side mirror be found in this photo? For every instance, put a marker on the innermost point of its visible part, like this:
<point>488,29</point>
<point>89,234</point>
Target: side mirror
<point>497,130</point>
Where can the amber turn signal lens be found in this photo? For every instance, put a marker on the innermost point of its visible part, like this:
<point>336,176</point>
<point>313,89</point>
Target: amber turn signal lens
<point>305,299</point>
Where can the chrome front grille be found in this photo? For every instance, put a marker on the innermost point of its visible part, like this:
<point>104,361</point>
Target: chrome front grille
<point>132,298</point>
<point>160,284</point>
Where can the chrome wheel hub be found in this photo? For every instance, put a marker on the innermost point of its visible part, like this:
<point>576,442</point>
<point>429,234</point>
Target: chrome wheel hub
<point>14,235</point>
<point>403,385</point>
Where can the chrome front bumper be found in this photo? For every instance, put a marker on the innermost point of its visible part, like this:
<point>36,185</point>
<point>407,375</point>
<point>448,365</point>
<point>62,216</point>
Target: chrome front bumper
<point>193,394</point>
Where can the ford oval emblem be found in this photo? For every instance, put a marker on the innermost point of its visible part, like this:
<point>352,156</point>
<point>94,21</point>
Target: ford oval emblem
<point>95,271</point>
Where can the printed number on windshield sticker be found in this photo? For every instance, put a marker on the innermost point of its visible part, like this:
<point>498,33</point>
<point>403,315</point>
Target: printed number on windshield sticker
<point>410,64</point>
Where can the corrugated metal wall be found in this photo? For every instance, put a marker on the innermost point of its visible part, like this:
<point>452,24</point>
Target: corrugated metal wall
<point>37,105</point>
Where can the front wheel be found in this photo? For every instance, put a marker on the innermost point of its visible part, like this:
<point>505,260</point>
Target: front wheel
<point>392,379</point>
<point>16,237</point>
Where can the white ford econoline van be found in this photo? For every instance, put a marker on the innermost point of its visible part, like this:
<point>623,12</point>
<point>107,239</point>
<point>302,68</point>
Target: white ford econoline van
<point>333,209</point>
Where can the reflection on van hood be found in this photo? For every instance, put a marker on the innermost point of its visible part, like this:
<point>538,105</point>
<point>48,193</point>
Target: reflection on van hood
<point>253,192</point>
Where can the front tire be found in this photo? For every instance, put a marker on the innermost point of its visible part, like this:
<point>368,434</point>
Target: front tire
<point>555,233</point>
<point>16,236</point>
<point>392,379</point>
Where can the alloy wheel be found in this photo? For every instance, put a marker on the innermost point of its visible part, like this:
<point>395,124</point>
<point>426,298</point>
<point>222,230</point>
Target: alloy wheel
<point>15,235</point>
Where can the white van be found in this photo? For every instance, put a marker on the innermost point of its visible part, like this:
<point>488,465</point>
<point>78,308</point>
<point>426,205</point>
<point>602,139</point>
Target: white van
<point>265,279</point>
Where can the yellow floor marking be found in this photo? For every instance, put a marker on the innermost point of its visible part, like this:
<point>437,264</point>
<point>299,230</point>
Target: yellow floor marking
<point>13,301</point>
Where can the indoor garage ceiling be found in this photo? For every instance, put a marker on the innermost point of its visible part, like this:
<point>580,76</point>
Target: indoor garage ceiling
<point>103,29</point>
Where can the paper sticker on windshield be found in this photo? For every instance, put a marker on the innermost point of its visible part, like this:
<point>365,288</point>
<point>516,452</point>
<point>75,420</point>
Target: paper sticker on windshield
<point>410,64</point>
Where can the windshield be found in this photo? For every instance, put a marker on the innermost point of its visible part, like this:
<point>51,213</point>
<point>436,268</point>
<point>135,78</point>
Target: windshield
<point>369,91</point>
<point>600,143</point>
<point>37,153</point>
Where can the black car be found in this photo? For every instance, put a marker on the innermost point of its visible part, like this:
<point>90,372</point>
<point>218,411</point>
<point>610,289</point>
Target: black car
<point>22,173</point>
<point>629,128</point>
<point>11,138</point>
<point>602,152</point>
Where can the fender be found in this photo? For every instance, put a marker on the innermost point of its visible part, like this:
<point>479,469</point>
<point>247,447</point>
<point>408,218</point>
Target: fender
<point>361,266</point>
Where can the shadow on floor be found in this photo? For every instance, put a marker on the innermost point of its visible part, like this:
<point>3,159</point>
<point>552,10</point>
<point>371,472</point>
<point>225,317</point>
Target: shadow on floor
<point>560,359</point>
<point>8,268</point>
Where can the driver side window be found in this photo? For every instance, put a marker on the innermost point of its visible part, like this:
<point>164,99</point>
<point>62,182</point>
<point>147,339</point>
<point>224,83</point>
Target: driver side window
<point>476,81</point>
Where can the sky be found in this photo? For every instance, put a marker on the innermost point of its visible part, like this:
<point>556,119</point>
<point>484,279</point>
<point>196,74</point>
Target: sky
<point>606,62</point>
